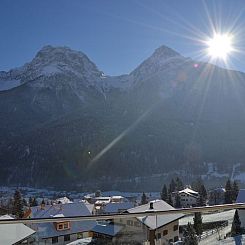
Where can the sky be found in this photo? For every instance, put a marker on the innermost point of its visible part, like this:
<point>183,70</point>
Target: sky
<point>118,35</point>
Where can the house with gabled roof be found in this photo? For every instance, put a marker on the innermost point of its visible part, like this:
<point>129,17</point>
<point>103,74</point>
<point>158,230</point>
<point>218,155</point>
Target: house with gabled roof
<point>187,197</point>
<point>61,232</point>
<point>162,228</point>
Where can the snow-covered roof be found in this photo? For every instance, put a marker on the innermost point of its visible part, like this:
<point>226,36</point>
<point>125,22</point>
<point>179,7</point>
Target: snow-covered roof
<point>219,189</point>
<point>188,191</point>
<point>100,202</point>
<point>13,233</point>
<point>63,200</point>
<point>45,230</point>
<point>156,221</point>
<point>117,207</point>
<point>117,197</point>
<point>67,210</point>
<point>90,207</point>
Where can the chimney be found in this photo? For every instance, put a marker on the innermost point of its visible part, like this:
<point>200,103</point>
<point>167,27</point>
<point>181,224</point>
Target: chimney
<point>151,205</point>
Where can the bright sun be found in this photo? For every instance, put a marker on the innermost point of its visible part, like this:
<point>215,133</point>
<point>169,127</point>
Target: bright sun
<point>220,46</point>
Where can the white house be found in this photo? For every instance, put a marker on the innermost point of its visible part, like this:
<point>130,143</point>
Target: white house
<point>156,228</point>
<point>187,197</point>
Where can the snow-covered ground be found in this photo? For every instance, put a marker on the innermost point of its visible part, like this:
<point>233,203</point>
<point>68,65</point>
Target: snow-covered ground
<point>83,241</point>
<point>206,218</point>
<point>212,236</point>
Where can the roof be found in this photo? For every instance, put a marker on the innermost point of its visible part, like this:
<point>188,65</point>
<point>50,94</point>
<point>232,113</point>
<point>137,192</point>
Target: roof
<point>241,196</point>
<point>189,191</point>
<point>156,221</point>
<point>63,200</point>
<point>219,189</point>
<point>90,207</point>
<point>45,230</point>
<point>13,233</point>
<point>116,207</point>
<point>67,209</point>
<point>107,229</point>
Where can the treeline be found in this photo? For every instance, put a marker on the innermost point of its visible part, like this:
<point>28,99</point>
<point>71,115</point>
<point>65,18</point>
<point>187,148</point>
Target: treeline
<point>176,184</point>
<point>16,205</point>
<point>231,191</point>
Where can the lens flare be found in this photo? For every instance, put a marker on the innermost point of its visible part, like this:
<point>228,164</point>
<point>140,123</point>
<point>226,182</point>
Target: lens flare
<point>220,46</point>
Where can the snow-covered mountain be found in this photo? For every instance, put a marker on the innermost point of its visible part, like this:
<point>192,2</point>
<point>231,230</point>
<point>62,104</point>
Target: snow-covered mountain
<point>59,112</point>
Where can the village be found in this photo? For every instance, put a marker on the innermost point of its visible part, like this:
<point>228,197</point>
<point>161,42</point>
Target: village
<point>148,229</point>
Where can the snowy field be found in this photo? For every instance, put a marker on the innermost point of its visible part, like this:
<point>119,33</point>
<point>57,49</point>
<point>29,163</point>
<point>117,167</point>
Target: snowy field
<point>206,218</point>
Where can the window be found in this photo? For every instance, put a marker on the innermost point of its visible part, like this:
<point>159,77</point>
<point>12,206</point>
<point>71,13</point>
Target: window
<point>67,238</point>
<point>158,235</point>
<point>176,227</point>
<point>165,232</point>
<point>63,226</point>
<point>55,239</point>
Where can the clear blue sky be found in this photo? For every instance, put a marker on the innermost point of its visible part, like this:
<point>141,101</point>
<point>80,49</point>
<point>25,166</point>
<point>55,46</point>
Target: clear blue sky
<point>116,35</point>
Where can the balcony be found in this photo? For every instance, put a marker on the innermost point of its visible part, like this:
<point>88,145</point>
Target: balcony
<point>136,226</point>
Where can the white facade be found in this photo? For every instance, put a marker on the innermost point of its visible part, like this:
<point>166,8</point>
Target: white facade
<point>187,198</point>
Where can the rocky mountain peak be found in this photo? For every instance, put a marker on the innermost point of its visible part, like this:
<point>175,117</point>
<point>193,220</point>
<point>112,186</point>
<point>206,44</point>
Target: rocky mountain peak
<point>162,58</point>
<point>52,60</point>
<point>164,52</point>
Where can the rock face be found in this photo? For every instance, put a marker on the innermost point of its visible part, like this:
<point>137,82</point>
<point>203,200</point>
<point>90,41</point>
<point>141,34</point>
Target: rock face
<point>63,122</point>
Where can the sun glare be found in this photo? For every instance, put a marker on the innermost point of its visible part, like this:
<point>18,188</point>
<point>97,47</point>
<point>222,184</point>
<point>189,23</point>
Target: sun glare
<point>220,46</point>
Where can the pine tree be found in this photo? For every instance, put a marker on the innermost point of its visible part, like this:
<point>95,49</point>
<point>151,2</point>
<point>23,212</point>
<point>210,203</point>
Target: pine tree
<point>24,202</point>
<point>30,201</point>
<point>236,225</point>
<point>98,193</point>
<point>143,198</point>
<point>172,186</point>
<point>235,190</point>
<point>198,223</point>
<point>179,184</point>
<point>202,195</point>
<point>164,193</point>
<point>34,202</point>
<point>190,237</point>
<point>169,201</point>
<point>177,201</point>
<point>18,205</point>
<point>228,192</point>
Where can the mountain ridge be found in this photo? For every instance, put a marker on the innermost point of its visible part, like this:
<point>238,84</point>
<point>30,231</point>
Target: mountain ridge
<point>167,114</point>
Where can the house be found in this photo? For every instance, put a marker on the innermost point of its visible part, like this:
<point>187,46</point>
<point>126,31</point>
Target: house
<point>15,233</point>
<point>187,197</point>
<point>63,200</point>
<point>161,228</point>
<point>241,212</point>
<point>216,196</point>
<point>60,232</point>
